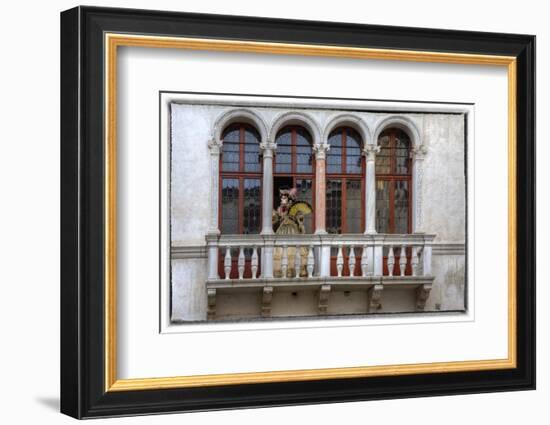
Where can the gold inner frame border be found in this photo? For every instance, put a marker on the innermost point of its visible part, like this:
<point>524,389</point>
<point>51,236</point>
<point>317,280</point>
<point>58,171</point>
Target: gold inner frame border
<point>112,41</point>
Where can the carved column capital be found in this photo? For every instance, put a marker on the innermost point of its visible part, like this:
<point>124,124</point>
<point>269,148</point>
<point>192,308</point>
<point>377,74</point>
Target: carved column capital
<point>370,152</point>
<point>215,146</point>
<point>320,151</point>
<point>419,152</point>
<point>268,148</point>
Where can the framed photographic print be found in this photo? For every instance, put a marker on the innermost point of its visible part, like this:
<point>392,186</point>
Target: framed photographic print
<point>261,212</point>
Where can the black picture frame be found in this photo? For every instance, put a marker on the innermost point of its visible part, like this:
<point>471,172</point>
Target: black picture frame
<point>83,392</point>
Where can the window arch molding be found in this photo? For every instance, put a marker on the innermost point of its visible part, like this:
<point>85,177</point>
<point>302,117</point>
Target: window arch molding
<point>295,119</point>
<point>235,116</point>
<point>348,120</point>
<point>402,123</point>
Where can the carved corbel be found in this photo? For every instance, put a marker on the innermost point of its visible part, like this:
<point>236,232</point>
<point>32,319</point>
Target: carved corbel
<point>267,296</point>
<point>422,294</point>
<point>419,152</point>
<point>324,294</point>
<point>211,303</point>
<point>375,294</point>
<point>215,146</point>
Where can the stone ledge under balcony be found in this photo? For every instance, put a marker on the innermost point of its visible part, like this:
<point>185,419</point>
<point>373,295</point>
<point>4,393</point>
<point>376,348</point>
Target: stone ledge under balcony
<point>370,288</point>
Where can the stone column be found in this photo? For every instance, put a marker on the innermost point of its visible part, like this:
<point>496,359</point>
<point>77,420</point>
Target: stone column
<point>323,252</point>
<point>215,150</point>
<point>213,229</point>
<point>320,187</point>
<point>267,148</point>
<point>370,152</point>
<point>418,154</point>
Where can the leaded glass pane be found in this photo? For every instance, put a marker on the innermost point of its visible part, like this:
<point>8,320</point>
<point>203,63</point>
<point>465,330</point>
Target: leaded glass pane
<point>333,206</point>
<point>230,206</point>
<point>230,149</point>
<point>383,162</point>
<point>252,206</point>
<point>305,193</point>
<point>353,206</point>
<point>304,152</point>
<point>382,206</point>
<point>334,154</point>
<point>283,160</point>
<point>402,160</point>
<point>401,206</point>
<point>353,152</point>
<point>251,150</point>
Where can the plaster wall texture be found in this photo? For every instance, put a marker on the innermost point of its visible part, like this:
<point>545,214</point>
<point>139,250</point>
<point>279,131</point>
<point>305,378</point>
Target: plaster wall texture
<point>442,197</point>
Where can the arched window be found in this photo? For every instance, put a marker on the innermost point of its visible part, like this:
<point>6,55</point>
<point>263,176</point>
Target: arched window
<point>344,181</point>
<point>393,182</point>
<point>240,180</point>
<point>294,167</point>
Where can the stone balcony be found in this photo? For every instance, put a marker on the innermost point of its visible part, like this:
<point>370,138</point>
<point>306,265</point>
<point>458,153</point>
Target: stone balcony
<point>320,263</point>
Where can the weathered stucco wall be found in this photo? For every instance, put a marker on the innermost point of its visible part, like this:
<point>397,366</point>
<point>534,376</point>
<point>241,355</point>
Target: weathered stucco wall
<point>442,200</point>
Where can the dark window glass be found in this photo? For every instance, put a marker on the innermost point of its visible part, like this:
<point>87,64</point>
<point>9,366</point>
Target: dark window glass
<point>240,171</point>
<point>334,206</point>
<point>345,201</point>
<point>230,206</point>
<point>401,206</point>
<point>230,150</point>
<point>252,151</point>
<point>393,175</point>
<point>353,206</point>
<point>334,155</point>
<point>382,206</point>
<point>283,160</point>
<point>304,153</point>
<point>252,206</point>
<point>353,152</point>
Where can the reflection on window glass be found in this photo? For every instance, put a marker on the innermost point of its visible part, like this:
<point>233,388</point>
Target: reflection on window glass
<point>353,152</point>
<point>353,206</point>
<point>230,206</point>
<point>251,151</point>
<point>401,206</point>
<point>304,153</point>
<point>382,206</point>
<point>383,156</point>
<point>334,154</point>
<point>252,206</point>
<point>283,160</point>
<point>333,207</point>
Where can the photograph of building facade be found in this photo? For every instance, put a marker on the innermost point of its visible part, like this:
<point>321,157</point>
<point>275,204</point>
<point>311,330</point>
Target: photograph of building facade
<point>284,208</point>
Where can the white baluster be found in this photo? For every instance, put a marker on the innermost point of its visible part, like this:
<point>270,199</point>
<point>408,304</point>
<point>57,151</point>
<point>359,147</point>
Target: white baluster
<point>227,262</point>
<point>364,262</point>
<point>310,262</point>
<point>297,261</point>
<point>254,262</point>
<point>284,261</point>
<point>351,261</point>
<point>240,263</point>
<point>391,261</point>
<point>414,261</point>
<point>339,261</point>
<point>403,260</point>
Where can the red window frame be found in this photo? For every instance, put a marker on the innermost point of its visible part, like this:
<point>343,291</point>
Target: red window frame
<point>344,176</point>
<point>294,174</point>
<point>241,175</point>
<point>392,177</point>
